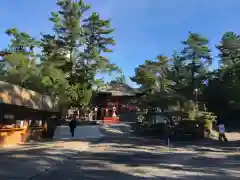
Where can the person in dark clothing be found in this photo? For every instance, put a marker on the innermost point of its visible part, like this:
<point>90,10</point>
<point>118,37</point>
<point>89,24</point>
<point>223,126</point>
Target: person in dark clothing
<point>51,127</point>
<point>72,126</point>
<point>168,132</point>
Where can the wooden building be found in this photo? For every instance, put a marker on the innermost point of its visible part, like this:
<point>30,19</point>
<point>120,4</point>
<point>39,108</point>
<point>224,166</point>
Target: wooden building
<point>21,108</point>
<point>121,97</point>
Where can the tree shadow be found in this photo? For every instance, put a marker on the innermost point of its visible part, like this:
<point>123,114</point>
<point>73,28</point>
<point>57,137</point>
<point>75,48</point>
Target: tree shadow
<point>194,165</point>
<point>27,163</point>
<point>201,145</point>
<point>117,158</point>
<point>210,145</point>
<point>127,161</point>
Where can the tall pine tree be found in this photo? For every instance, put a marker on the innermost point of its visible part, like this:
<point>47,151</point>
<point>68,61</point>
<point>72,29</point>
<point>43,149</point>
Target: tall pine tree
<point>197,57</point>
<point>75,48</point>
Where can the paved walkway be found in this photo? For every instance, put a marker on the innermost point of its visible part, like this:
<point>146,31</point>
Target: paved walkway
<point>81,132</point>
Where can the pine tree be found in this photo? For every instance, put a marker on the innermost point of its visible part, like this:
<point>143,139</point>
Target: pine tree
<point>229,48</point>
<point>197,57</point>
<point>75,48</point>
<point>20,62</point>
<point>229,72</point>
<point>22,42</point>
<point>62,50</point>
<point>153,76</point>
<point>179,74</point>
<point>97,42</point>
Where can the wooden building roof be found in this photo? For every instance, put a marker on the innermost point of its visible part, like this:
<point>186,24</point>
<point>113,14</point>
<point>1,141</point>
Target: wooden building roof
<point>118,89</point>
<point>16,95</point>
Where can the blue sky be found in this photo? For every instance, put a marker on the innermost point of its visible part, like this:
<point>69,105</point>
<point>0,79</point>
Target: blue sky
<point>144,28</point>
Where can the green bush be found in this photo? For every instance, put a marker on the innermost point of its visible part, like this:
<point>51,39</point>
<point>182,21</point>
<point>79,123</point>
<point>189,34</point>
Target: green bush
<point>207,118</point>
<point>203,119</point>
<point>189,129</point>
<point>208,124</point>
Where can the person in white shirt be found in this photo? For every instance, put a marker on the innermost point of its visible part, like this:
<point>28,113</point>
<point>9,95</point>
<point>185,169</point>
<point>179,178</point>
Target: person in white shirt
<point>221,133</point>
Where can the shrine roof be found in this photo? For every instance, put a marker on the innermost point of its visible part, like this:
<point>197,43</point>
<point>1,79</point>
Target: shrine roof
<point>118,89</point>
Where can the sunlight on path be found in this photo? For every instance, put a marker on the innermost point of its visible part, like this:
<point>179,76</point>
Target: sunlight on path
<point>81,132</point>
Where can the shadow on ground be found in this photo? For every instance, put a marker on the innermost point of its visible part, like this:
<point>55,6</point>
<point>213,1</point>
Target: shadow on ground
<point>114,157</point>
<point>27,163</point>
<point>135,159</point>
<point>210,145</point>
<point>33,159</point>
<point>151,166</point>
<point>124,130</point>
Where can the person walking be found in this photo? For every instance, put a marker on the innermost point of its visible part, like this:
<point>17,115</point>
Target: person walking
<point>73,125</point>
<point>168,132</point>
<point>51,127</point>
<point>221,133</point>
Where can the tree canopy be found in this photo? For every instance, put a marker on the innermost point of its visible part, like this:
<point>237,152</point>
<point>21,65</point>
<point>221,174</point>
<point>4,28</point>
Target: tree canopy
<point>66,61</point>
<point>168,81</point>
<point>69,57</point>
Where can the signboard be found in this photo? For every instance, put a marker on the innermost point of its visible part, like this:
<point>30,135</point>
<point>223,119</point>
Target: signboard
<point>8,116</point>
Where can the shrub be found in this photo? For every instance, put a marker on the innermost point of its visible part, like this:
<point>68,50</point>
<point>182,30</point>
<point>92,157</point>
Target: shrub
<point>188,130</point>
<point>203,119</point>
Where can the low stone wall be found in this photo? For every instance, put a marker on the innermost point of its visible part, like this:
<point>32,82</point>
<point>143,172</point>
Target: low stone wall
<point>15,136</point>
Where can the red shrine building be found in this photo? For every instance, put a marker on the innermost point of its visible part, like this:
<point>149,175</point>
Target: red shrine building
<point>119,98</point>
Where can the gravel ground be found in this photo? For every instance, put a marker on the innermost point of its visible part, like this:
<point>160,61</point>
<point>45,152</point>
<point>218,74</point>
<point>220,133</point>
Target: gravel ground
<point>136,159</point>
<point>118,155</point>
